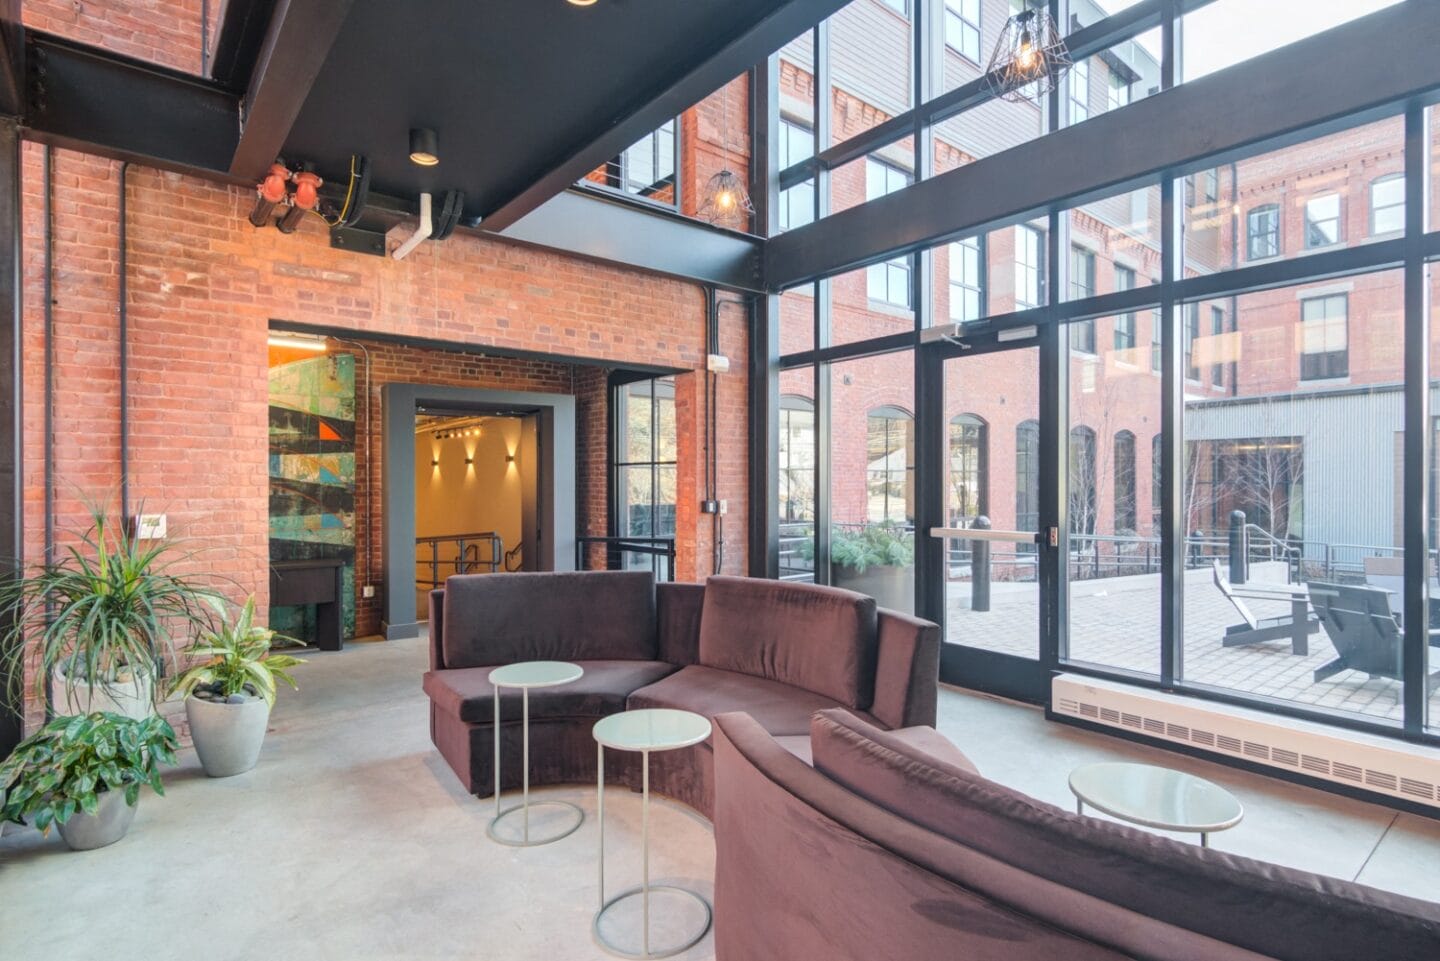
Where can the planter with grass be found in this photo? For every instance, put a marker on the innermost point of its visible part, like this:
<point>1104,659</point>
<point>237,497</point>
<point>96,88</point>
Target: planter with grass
<point>83,775</point>
<point>877,559</point>
<point>230,689</point>
<point>101,617</point>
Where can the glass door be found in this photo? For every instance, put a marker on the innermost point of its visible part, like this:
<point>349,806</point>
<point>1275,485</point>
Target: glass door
<point>995,554</point>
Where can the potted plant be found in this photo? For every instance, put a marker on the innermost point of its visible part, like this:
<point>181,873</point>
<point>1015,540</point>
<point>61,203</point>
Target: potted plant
<point>84,773</point>
<point>229,692</point>
<point>876,559</point>
<point>101,617</point>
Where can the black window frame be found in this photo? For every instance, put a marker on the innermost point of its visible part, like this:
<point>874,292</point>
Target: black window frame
<point>1315,239</point>
<point>1333,364</point>
<point>1269,229</point>
<point>964,28</point>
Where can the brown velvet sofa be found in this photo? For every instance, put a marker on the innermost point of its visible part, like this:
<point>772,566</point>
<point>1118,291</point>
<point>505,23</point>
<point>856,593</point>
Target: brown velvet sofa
<point>777,651</point>
<point>886,848</point>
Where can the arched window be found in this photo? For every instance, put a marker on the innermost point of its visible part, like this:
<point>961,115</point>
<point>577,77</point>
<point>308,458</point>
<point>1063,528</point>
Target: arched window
<point>969,469</point>
<point>1082,480</point>
<point>1262,232</point>
<point>890,466</point>
<point>1027,476</point>
<point>796,495</point>
<point>1387,204</point>
<point>1124,461</point>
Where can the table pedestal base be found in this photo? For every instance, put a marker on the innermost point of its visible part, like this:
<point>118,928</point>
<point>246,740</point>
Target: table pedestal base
<point>658,952</point>
<point>526,840</point>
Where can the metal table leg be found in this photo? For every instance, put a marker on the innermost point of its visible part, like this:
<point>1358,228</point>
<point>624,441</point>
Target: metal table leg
<point>524,805</point>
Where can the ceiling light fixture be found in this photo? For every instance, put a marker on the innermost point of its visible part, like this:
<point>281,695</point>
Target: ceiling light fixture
<point>725,201</point>
<point>1029,59</point>
<point>582,3</point>
<point>297,342</point>
<point>424,147</point>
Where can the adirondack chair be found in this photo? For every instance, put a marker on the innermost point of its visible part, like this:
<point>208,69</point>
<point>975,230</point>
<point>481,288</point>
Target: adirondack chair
<point>1296,627</point>
<point>1365,633</point>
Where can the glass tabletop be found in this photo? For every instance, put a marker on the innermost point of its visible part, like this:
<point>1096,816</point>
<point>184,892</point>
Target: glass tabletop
<point>1156,797</point>
<point>536,674</point>
<point>652,729</point>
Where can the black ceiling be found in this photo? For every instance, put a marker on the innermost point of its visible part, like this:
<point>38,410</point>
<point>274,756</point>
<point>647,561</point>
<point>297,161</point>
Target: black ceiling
<point>519,90</point>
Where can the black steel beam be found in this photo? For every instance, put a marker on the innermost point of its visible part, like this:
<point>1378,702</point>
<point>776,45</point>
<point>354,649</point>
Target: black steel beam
<point>589,225</point>
<point>748,48</point>
<point>102,103</point>
<point>297,41</point>
<point>243,24</point>
<point>12,60</point>
<point>1327,82</point>
<point>1415,668</point>
<point>12,515</point>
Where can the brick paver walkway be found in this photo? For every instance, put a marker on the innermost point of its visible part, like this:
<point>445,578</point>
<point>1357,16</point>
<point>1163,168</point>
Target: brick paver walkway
<point>1115,622</point>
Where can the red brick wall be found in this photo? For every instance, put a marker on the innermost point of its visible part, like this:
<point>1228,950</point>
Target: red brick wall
<point>167,32</point>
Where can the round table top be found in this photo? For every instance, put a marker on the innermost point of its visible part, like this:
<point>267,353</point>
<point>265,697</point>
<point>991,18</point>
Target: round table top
<point>536,674</point>
<point>1156,797</point>
<point>651,729</point>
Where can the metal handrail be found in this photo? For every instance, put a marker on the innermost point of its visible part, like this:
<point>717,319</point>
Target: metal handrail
<point>657,548</point>
<point>467,555</point>
<point>983,534</point>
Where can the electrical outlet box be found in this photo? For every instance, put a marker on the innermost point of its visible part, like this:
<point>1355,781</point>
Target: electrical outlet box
<point>150,527</point>
<point>724,507</point>
<point>717,363</point>
<point>710,507</point>
<point>368,591</point>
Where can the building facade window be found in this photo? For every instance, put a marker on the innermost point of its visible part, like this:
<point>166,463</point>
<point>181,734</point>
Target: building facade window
<point>797,205</point>
<point>1325,337</point>
<point>969,469</point>
<point>889,282</point>
<point>1124,470</point>
<point>1082,477</point>
<point>647,168</point>
<point>1027,476</point>
<point>797,459</point>
<point>1262,232</point>
<point>1125,323</point>
<point>1387,204</point>
<point>962,28</point>
<point>643,466</point>
<point>1322,221</point>
<point>901,7</point>
<point>1079,92</point>
<point>967,280</point>
<point>1082,285</point>
<point>1119,91</point>
<point>1217,327</point>
<point>1029,267</point>
<point>890,466</point>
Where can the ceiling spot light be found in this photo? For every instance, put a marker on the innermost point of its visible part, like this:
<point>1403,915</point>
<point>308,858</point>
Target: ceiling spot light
<point>1029,59</point>
<point>297,342</point>
<point>582,3</point>
<point>424,147</point>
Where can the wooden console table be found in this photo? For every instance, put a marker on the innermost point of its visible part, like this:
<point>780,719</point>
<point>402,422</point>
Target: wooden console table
<point>319,581</point>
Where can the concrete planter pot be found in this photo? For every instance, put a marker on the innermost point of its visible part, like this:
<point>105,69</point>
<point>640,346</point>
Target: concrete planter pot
<point>228,737</point>
<point>85,832</point>
<point>134,698</point>
<point>892,587</point>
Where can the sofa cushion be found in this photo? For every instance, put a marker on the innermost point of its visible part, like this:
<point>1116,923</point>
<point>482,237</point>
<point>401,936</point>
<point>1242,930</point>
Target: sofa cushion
<point>780,708</point>
<point>503,618</point>
<point>601,691</point>
<point>821,639</point>
<point>1274,911</point>
<point>677,618</point>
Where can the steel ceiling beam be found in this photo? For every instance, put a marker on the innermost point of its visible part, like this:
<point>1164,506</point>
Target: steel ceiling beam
<point>297,41</point>
<point>12,60</point>
<point>1327,82</point>
<point>787,21</point>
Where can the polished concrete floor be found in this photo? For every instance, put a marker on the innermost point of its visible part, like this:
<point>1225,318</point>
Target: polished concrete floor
<point>352,840</point>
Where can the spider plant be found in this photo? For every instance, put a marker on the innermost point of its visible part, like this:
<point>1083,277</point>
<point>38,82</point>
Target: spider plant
<point>236,655</point>
<point>104,612</point>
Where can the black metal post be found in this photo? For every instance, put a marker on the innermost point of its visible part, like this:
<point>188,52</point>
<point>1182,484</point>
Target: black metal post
<point>1239,548</point>
<point>12,516</point>
<point>980,568</point>
<point>1417,424</point>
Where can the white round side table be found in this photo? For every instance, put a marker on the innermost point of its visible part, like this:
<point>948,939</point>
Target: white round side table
<point>1156,797</point>
<point>656,729</point>
<point>525,675</point>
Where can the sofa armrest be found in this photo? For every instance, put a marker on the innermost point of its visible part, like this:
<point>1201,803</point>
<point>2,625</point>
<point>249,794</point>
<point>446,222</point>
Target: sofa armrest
<point>677,609</point>
<point>907,671</point>
<point>436,628</point>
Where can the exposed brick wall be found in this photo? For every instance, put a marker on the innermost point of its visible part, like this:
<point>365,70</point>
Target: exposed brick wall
<point>166,32</point>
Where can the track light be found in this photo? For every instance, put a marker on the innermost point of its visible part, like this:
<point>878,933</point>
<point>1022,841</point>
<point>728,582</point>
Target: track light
<point>424,147</point>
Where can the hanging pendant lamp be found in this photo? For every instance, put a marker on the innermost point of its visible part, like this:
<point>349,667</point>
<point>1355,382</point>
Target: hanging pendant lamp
<point>1029,59</point>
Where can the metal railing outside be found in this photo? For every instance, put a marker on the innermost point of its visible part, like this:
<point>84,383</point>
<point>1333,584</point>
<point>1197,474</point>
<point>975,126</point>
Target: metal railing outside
<point>627,554</point>
<point>467,558</point>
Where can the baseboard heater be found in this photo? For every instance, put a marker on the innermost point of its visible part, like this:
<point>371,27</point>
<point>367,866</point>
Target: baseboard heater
<point>1393,768</point>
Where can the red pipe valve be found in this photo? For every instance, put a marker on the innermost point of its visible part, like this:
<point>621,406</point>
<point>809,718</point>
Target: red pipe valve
<point>272,188</point>
<point>307,190</point>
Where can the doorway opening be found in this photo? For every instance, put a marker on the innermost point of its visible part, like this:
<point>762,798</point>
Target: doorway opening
<point>477,482</point>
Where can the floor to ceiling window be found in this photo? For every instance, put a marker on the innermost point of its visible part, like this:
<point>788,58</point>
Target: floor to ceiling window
<point>643,466</point>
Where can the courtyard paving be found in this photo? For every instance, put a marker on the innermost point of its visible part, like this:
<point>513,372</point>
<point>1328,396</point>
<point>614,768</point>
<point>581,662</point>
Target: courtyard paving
<point>1115,622</point>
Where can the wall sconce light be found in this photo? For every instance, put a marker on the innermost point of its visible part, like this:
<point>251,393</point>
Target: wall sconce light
<point>509,458</point>
<point>424,147</point>
<point>434,462</point>
<point>469,460</point>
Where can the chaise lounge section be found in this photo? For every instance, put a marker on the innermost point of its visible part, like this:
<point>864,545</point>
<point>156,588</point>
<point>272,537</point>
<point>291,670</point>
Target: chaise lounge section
<point>777,651</point>
<point>889,848</point>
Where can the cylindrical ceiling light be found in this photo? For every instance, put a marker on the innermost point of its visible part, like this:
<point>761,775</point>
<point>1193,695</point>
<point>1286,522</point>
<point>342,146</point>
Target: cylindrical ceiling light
<point>424,147</point>
<point>582,3</point>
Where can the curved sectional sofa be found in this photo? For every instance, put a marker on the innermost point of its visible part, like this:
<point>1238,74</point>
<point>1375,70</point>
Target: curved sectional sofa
<point>777,651</point>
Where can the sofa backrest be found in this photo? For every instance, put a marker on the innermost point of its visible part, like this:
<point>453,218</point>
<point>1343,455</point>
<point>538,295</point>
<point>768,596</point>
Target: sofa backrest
<point>493,619</point>
<point>821,639</point>
<point>677,618</point>
<point>1273,911</point>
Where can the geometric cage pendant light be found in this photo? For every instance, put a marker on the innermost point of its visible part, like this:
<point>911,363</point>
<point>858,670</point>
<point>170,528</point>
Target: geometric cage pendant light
<point>1030,58</point>
<point>725,201</point>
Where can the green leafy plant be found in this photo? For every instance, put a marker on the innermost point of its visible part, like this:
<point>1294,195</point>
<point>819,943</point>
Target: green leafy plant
<point>236,656</point>
<point>874,545</point>
<point>104,612</point>
<point>68,764</point>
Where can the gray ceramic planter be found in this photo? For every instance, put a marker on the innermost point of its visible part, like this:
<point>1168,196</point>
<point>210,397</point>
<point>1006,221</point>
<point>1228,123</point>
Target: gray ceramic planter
<point>227,736</point>
<point>84,832</point>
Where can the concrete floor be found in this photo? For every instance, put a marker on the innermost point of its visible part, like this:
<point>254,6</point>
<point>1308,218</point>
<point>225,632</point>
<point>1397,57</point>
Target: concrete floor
<point>352,840</point>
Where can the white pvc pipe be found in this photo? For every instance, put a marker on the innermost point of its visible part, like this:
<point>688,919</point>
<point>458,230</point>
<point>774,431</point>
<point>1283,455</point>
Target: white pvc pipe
<point>421,232</point>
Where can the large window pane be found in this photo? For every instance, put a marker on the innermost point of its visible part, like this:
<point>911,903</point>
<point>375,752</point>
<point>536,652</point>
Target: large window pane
<point>796,136</point>
<point>871,302</point>
<point>1227,32</point>
<point>1432,527</point>
<point>1332,192</point>
<point>872,487</point>
<point>1302,448</point>
<point>885,171</point>
<point>992,127</point>
<point>797,320</point>
<point>1113,78</point>
<point>1115,244</point>
<point>1114,555</point>
<point>795,496</point>
<point>870,72</point>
